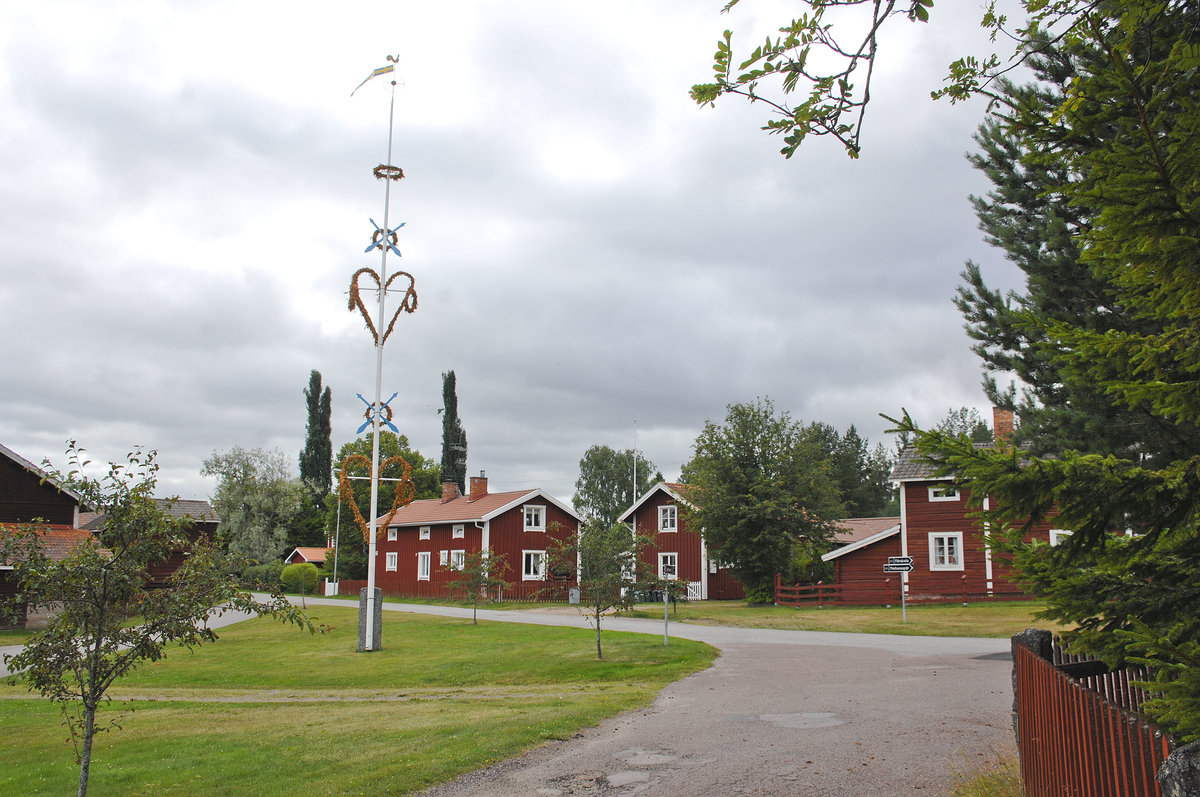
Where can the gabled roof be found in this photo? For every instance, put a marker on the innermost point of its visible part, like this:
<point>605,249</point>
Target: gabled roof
<point>858,528</point>
<point>57,540</point>
<point>310,554</point>
<point>679,492</point>
<point>35,470</point>
<point>462,509</point>
<point>891,531</point>
<point>199,511</point>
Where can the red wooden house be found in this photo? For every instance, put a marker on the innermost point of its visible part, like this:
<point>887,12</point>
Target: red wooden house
<point>422,545</point>
<point>948,546</point>
<point>659,514</point>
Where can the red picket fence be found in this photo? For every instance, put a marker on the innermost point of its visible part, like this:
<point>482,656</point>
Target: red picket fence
<point>518,591</point>
<point>1079,732</point>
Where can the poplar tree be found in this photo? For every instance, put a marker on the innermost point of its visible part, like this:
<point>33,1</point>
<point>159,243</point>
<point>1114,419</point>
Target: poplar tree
<point>454,438</point>
<point>316,459</point>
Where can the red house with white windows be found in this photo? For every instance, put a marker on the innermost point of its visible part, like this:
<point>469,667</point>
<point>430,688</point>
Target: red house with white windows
<point>420,546</point>
<point>936,528</point>
<point>658,514</point>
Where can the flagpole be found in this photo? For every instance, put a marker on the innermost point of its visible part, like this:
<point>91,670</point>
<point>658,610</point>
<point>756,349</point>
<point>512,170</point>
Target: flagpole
<point>369,624</point>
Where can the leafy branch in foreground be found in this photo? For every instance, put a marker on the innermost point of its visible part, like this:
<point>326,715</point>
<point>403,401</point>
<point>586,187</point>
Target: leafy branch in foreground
<point>110,609</point>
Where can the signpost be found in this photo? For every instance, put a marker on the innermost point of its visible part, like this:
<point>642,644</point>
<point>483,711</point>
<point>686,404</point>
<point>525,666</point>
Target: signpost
<point>900,564</point>
<point>668,571</point>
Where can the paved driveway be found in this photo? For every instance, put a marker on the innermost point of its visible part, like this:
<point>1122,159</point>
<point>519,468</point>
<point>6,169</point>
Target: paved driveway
<point>781,713</point>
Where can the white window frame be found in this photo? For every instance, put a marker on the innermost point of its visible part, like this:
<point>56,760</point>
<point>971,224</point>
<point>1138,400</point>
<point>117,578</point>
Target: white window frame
<point>662,561</point>
<point>540,574</point>
<point>423,533</point>
<point>539,521</point>
<point>392,558</point>
<point>444,558</point>
<point>1058,536</point>
<point>458,532</point>
<point>458,560</point>
<point>943,492</point>
<point>668,518</point>
<point>957,537</point>
<point>423,565</point>
<point>393,534</point>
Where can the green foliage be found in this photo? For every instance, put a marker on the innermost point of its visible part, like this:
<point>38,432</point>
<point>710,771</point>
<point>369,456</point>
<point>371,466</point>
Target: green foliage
<point>605,487</point>
<point>265,576</point>
<point>480,573</point>
<point>110,616</point>
<point>257,500</point>
<point>300,577</point>
<point>861,475</point>
<point>454,437</point>
<point>316,459</point>
<point>352,545</point>
<point>762,483</point>
<point>606,559</point>
<point>807,59</point>
<point>1096,200</point>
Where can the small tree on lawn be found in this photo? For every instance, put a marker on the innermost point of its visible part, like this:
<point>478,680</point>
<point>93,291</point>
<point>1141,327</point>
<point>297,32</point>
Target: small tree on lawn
<point>480,572</point>
<point>110,614</point>
<point>301,577</point>
<point>606,560</point>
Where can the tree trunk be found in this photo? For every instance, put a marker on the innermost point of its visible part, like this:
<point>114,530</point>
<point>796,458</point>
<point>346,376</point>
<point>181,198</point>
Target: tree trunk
<point>599,653</point>
<point>85,754</point>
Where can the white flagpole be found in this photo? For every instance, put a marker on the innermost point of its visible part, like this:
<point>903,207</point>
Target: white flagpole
<point>369,626</point>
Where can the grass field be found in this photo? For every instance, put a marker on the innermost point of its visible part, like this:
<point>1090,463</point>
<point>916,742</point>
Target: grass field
<point>269,710</point>
<point>944,619</point>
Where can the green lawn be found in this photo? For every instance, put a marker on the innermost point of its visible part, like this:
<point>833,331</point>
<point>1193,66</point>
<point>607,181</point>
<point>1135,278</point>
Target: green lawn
<point>943,619</point>
<point>269,710</point>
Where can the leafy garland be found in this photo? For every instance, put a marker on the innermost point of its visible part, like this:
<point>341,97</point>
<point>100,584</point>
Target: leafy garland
<point>407,305</point>
<point>405,489</point>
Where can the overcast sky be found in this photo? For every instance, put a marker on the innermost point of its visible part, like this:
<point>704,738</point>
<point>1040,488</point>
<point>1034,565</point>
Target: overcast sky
<point>186,190</point>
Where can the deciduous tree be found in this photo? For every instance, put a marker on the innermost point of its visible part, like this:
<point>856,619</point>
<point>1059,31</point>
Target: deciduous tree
<point>480,572</point>
<point>257,499</point>
<point>109,613</point>
<point>606,559</point>
<point>606,486</point>
<point>762,482</point>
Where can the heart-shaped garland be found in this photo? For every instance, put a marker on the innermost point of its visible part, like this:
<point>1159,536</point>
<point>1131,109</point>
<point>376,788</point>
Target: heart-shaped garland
<point>405,489</point>
<point>407,305</point>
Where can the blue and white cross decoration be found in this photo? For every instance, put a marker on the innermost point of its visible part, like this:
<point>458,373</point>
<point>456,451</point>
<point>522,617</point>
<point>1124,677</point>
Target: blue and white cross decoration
<point>383,237</point>
<point>383,411</point>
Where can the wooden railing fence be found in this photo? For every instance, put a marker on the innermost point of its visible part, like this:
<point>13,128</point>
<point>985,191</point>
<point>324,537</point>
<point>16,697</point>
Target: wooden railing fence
<point>1078,726</point>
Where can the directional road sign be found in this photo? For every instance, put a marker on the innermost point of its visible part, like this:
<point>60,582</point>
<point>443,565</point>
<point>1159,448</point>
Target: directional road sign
<point>900,560</point>
<point>891,568</point>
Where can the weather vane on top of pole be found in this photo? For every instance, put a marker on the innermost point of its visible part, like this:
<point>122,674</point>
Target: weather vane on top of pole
<point>385,240</point>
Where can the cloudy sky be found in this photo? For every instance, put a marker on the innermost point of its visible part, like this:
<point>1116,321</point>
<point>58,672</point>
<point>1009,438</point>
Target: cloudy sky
<point>186,190</point>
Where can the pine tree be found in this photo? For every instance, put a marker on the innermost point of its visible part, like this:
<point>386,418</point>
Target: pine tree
<point>454,438</point>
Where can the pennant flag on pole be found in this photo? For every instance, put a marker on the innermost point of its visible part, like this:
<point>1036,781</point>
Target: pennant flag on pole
<point>383,70</point>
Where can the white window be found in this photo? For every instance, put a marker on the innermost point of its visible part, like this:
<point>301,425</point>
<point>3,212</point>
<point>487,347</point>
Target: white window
<point>459,532</point>
<point>943,492</point>
<point>945,551</point>
<point>712,565</point>
<point>458,560</point>
<point>535,518</point>
<point>444,558</point>
<point>424,533</point>
<point>1057,536</point>
<point>668,565</point>
<point>392,534</point>
<point>423,565</point>
<point>391,560</point>
<point>534,565</point>
<point>667,518</point>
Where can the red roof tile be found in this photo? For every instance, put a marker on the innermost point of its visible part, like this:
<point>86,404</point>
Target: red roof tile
<point>462,509</point>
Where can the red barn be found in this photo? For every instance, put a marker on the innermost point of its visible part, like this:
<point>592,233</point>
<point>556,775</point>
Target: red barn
<point>421,545</point>
<point>659,514</point>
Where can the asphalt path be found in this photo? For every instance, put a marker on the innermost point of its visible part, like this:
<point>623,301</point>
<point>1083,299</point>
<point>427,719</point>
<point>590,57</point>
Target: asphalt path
<point>780,713</point>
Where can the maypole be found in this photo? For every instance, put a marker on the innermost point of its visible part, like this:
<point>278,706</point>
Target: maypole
<point>378,412</point>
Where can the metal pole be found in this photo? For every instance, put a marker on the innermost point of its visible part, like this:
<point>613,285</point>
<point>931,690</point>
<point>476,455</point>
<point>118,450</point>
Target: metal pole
<point>369,624</point>
<point>666,616</point>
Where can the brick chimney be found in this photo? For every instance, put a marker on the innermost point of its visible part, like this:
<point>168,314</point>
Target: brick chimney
<point>478,486</point>
<point>449,491</point>
<point>1003,424</point>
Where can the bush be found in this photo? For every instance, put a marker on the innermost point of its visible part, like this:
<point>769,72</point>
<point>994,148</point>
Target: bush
<point>264,576</point>
<point>300,577</point>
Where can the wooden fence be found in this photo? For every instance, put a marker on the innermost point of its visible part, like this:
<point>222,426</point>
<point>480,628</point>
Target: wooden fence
<point>884,591</point>
<point>517,591</point>
<point>1079,730</point>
